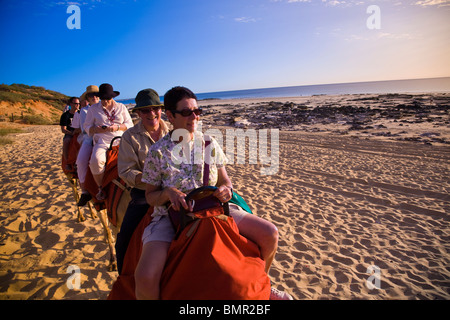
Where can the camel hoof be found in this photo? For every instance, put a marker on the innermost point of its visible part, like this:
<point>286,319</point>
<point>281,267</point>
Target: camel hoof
<point>112,266</point>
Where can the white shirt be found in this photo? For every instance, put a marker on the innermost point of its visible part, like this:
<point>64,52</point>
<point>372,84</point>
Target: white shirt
<point>78,122</point>
<point>76,125</point>
<point>97,116</point>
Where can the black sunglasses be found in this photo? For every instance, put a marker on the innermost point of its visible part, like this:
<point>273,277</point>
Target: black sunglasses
<point>147,110</point>
<point>188,112</point>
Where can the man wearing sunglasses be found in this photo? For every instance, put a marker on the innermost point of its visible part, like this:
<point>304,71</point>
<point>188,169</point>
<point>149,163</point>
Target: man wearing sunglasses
<point>133,150</point>
<point>66,126</point>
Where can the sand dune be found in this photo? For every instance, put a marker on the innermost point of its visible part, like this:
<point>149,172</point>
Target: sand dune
<point>342,204</point>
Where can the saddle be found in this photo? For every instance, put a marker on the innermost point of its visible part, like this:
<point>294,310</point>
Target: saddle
<point>74,147</point>
<point>118,193</point>
<point>204,204</point>
<point>207,260</point>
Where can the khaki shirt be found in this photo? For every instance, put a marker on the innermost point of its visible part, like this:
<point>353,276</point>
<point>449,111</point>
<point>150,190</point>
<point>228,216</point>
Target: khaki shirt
<point>133,150</point>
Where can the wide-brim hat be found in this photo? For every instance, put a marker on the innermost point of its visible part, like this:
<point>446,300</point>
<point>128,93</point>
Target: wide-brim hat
<point>89,89</point>
<point>147,98</point>
<point>106,92</point>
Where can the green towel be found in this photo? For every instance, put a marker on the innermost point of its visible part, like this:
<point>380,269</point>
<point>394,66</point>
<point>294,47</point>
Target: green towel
<point>237,200</point>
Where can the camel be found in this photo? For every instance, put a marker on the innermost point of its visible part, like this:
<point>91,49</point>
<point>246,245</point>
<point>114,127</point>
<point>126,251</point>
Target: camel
<point>110,224</point>
<point>70,171</point>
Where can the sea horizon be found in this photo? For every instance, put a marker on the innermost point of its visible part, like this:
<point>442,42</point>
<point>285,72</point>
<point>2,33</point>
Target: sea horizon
<point>425,85</point>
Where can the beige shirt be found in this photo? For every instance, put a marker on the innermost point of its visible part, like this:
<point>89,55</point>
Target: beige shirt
<point>133,150</point>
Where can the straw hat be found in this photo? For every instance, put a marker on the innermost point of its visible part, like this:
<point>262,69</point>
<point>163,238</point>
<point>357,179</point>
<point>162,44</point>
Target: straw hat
<point>89,89</point>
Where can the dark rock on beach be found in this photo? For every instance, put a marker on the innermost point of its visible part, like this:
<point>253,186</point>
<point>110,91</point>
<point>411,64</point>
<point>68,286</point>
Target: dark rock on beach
<point>387,115</point>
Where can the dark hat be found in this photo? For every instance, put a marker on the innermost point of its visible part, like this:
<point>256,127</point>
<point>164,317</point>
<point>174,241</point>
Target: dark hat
<point>147,98</point>
<point>106,92</point>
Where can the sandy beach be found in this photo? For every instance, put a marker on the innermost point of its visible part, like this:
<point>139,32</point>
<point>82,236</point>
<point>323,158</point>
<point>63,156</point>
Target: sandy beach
<point>358,197</point>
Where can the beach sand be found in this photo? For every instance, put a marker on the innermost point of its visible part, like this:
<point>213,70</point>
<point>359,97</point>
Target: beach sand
<point>345,204</point>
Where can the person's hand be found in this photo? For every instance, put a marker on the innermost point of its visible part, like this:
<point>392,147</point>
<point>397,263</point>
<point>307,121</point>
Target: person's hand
<point>177,199</point>
<point>114,128</point>
<point>101,129</point>
<point>223,193</point>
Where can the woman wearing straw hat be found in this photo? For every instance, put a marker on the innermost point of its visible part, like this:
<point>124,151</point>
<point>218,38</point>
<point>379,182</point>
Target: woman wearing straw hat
<point>133,150</point>
<point>104,121</point>
<point>86,142</point>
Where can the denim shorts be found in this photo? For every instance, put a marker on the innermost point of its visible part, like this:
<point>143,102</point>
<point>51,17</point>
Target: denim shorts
<point>160,229</point>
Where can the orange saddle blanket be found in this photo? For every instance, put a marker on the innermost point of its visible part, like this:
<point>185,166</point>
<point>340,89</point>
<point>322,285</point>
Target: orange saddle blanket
<point>209,260</point>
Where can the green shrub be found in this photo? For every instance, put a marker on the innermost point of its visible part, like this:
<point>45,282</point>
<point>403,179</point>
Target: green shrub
<point>35,119</point>
<point>5,131</point>
<point>4,140</point>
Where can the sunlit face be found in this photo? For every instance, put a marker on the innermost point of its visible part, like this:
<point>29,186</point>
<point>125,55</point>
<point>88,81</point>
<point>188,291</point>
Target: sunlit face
<point>150,117</point>
<point>75,105</point>
<point>181,122</point>
<point>92,99</point>
<point>107,102</point>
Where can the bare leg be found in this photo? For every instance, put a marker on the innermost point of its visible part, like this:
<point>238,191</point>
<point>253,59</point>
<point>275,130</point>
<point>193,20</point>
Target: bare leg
<point>263,233</point>
<point>149,269</point>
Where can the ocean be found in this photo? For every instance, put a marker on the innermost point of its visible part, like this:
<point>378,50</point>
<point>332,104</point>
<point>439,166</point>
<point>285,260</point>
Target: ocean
<point>392,86</point>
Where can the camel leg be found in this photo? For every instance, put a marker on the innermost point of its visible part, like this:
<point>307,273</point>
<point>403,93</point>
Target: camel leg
<point>108,237</point>
<point>93,215</point>
<point>75,195</point>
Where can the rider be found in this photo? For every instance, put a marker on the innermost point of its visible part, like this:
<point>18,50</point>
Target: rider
<point>66,126</point>
<point>86,146</point>
<point>169,182</point>
<point>133,149</point>
<point>104,121</point>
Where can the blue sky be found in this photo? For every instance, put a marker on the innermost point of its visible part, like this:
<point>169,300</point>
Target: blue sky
<point>210,45</point>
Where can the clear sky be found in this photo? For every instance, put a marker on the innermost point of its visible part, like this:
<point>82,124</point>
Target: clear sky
<point>220,45</point>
